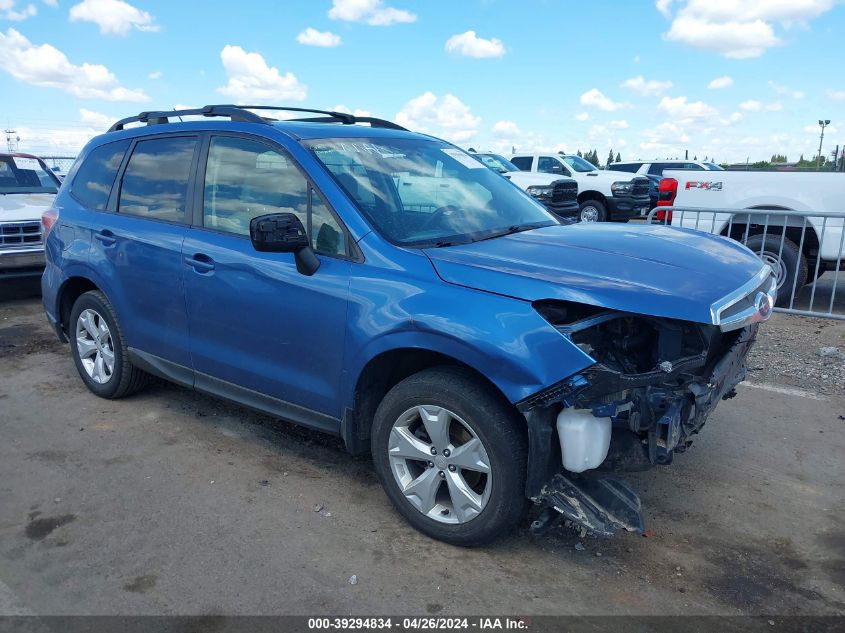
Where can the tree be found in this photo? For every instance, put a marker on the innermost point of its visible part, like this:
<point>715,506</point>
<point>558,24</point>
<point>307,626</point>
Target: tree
<point>579,154</point>
<point>610,157</point>
<point>778,158</point>
<point>618,157</point>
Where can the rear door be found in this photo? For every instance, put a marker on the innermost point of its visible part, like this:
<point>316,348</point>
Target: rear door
<point>138,247</point>
<point>259,327</point>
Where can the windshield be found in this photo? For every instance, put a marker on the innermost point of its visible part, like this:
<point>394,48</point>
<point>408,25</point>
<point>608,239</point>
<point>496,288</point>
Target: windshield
<point>579,164</point>
<point>497,163</point>
<point>421,192</point>
<point>713,167</point>
<point>20,174</point>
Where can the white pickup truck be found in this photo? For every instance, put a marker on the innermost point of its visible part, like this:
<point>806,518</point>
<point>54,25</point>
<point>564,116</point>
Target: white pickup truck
<point>794,221</point>
<point>27,189</point>
<point>602,195</point>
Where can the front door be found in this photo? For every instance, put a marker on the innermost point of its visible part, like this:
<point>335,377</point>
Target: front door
<point>259,328</point>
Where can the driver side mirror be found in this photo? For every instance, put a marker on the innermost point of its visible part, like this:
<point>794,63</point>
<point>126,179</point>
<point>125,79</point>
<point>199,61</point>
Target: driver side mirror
<point>284,233</point>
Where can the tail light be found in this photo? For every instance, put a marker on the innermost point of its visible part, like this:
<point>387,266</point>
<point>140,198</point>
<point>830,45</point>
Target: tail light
<point>48,219</point>
<point>667,190</point>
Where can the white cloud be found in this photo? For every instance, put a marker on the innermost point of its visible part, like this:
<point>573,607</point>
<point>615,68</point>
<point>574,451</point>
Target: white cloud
<point>313,37</point>
<point>786,91</point>
<point>251,79</point>
<point>582,116</point>
<point>9,12</point>
<point>48,67</point>
<point>595,99</point>
<point>720,83</point>
<point>506,129</point>
<point>645,88</point>
<point>372,12</point>
<point>618,125</point>
<point>836,95</point>
<point>636,59</point>
<point>752,105</point>
<point>448,117</point>
<point>51,3</point>
<point>65,141</point>
<point>816,130</point>
<point>664,7</point>
<point>469,44</point>
<point>736,30</point>
<point>96,120</point>
<point>156,74</point>
<point>680,109</point>
<point>114,17</point>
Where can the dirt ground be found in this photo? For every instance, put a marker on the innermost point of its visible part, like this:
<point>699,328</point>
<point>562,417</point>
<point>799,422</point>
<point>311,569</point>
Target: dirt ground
<point>171,502</point>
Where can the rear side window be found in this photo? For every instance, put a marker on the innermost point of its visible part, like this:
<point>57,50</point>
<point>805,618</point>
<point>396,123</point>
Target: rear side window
<point>523,162</point>
<point>629,167</point>
<point>95,177</point>
<point>155,183</point>
<point>656,169</point>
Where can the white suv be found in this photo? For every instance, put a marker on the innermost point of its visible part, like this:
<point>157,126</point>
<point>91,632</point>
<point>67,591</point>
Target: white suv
<point>602,195</point>
<point>645,168</point>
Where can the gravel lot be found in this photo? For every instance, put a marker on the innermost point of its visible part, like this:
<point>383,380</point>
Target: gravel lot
<point>172,502</point>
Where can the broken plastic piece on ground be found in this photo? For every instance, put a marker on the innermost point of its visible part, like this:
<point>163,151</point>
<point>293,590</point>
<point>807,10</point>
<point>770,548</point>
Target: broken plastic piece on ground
<point>601,505</point>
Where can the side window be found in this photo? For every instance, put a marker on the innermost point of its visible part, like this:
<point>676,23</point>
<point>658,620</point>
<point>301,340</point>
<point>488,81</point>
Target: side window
<point>155,183</point>
<point>94,179</point>
<point>693,167</point>
<point>245,179</point>
<point>656,169</point>
<point>523,162</point>
<point>327,236</point>
<point>629,167</point>
<point>549,165</point>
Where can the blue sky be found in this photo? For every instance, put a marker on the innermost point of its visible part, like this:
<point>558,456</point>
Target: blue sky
<point>649,79</point>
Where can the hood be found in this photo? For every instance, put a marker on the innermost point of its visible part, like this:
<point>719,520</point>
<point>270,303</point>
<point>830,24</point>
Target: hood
<point>525,179</point>
<point>657,270</point>
<point>22,207</point>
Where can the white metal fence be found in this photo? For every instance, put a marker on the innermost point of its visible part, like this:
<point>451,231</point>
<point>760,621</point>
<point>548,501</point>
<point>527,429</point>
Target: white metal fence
<point>805,249</point>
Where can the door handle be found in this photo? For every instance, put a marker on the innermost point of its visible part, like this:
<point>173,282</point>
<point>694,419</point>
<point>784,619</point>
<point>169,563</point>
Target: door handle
<point>106,237</point>
<point>200,263</point>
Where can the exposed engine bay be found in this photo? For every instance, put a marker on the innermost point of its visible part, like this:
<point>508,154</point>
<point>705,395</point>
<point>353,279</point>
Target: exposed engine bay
<point>654,383</point>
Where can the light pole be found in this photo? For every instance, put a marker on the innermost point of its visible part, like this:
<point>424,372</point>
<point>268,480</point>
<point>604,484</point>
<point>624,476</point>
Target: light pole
<point>823,125</point>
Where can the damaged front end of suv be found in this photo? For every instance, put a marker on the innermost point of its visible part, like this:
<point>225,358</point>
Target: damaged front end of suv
<point>653,384</point>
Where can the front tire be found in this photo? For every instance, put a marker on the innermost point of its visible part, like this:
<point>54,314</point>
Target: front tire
<point>789,263</point>
<point>592,211</point>
<point>98,348</point>
<point>451,455</point>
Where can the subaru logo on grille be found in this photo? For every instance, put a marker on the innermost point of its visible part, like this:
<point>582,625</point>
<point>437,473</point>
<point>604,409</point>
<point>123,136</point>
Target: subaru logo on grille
<point>763,304</point>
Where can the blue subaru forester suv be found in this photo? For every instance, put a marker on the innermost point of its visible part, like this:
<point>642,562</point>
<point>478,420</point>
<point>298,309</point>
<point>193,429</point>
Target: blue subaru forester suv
<point>351,276</point>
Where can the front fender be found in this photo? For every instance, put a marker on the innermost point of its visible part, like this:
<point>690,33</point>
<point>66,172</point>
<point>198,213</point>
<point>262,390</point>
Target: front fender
<point>502,338</point>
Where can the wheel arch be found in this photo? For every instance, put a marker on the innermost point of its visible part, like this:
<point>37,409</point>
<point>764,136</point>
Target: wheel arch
<point>70,290</point>
<point>777,223</point>
<point>592,194</point>
<point>381,373</point>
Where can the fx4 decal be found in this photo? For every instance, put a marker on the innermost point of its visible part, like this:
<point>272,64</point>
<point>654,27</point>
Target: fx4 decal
<point>707,186</point>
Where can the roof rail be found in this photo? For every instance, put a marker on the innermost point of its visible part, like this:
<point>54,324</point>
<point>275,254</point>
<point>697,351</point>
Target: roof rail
<point>242,113</point>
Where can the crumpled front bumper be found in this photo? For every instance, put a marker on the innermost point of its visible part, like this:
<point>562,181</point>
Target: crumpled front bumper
<point>597,501</point>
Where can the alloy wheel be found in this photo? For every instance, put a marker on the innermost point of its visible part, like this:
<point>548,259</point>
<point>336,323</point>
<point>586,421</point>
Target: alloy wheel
<point>589,214</point>
<point>440,464</point>
<point>95,346</point>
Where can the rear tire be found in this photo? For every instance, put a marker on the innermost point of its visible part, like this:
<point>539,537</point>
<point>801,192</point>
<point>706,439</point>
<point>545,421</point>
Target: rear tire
<point>592,211</point>
<point>789,263</point>
<point>99,350</point>
<point>429,489</point>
